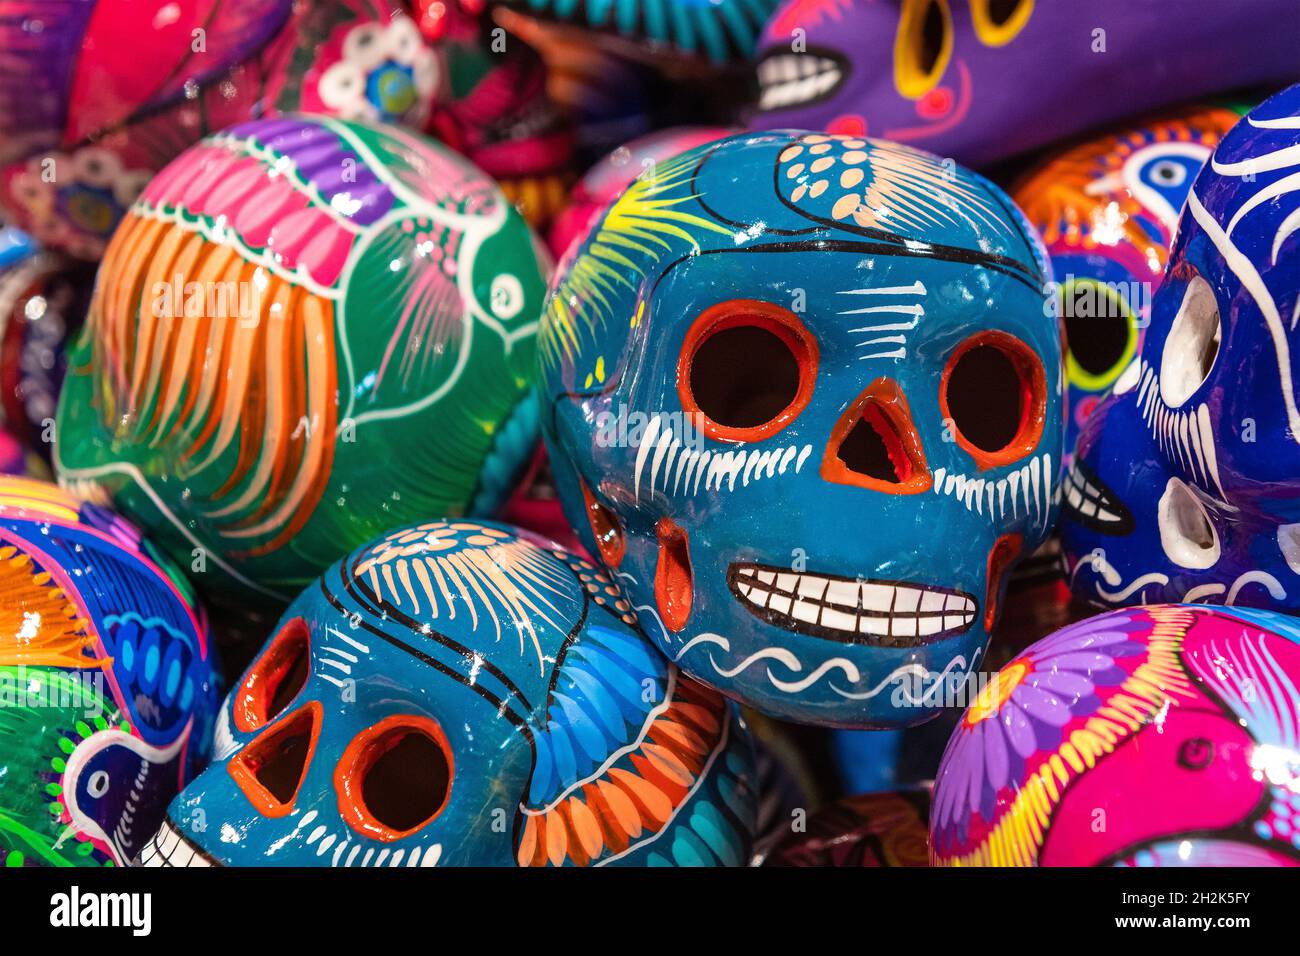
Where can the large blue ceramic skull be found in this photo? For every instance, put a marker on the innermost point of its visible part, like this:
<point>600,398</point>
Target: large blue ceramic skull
<point>453,694</point>
<point>1185,483</point>
<point>802,395</point>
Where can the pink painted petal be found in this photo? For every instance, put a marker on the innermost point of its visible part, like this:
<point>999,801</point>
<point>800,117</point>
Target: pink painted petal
<point>326,254</point>
<point>242,178</point>
<point>265,209</point>
<point>292,232</point>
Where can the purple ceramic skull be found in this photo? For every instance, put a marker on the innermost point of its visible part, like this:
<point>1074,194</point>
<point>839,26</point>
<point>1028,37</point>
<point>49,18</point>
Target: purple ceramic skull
<point>1185,482</point>
<point>980,80</point>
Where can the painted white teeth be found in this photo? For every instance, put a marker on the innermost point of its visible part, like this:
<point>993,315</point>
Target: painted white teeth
<point>873,608</point>
<point>168,848</point>
<point>789,79</point>
<point>1085,499</point>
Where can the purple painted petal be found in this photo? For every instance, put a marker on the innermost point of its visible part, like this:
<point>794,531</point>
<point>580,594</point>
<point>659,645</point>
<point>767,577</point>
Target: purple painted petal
<point>1069,684</point>
<point>1019,732</point>
<point>995,756</point>
<point>1083,661</point>
<point>975,766</point>
<point>1042,705</point>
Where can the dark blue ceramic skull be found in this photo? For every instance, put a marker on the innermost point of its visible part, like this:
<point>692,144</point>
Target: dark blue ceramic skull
<point>1185,483</point>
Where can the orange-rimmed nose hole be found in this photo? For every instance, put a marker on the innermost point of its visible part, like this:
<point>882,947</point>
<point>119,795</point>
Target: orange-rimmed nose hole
<point>605,528</point>
<point>674,585</point>
<point>270,770</point>
<point>875,444</point>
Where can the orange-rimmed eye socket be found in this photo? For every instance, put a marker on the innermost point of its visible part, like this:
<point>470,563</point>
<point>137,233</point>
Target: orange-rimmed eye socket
<point>394,777</point>
<point>747,369</point>
<point>993,395</point>
<point>275,679</point>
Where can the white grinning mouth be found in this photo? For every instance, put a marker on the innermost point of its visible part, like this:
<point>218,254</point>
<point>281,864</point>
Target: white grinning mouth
<point>169,848</point>
<point>790,79</point>
<point>1089,502</point>
<point>851,610</point>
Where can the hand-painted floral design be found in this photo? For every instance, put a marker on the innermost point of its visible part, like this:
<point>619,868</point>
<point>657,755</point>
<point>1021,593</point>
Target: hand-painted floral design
<point>1026,707</point>
<point>386,73</point>
<point>75,201</point>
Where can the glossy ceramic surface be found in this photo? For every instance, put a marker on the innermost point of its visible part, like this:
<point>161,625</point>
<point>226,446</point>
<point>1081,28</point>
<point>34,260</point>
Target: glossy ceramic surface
<point>455,695</point>
<point>869,830</point>
<point>1184,483</point>
<point>1107,210</point>
<point>803,395</point>
<point>602,184</point>
<point>717,32</point>
<point>107,689</point>
<point>98,95</point>
<point>333,335</point>
<point>43,302</point>
<point>982,80</point>
<point>1156,736</point>
<point>494,107</point>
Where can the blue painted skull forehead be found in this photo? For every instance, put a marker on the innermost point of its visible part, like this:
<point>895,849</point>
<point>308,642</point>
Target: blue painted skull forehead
<point>803,396</point>
<point>455,694</point>
<point>899,194</point>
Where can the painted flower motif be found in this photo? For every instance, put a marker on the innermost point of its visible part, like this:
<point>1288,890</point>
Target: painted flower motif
<point>1025,709</point>
<point>74,202</point>
<point>387,74</point>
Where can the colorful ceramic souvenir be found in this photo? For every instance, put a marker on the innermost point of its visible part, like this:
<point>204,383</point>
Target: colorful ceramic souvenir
<point>96,96</point>
<point>495,109</point>
<point>869,830</point>
<point>1156,736</point>
<point>602,183</point>
<point>108,692</point>
<point>333,334</point>
<point>454,695</point>
<point>1107,210</point>
<point>717,32</point>
<point>1184,484</point>
<point>802,394</point>
<point>43,302</point>
<point>982,80</point>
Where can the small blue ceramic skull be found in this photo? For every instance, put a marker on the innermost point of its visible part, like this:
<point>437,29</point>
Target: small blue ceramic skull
<point>1185,482</point>
<point>802,394</point>
<point>453,694</point>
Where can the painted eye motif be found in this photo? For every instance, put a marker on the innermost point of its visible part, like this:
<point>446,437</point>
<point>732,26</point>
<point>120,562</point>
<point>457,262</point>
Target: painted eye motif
<point>998,22</point>
<point>1192,344</point>
<point>507,296</point>
<point>1168,173</point>
<point>97,786</point>
<point>1195,753</point>
<point>1101,333</point>
<point>275,678</point>
<point>922,47</point>
<point>395,777</point>
<point>747,369</point>
<point>993,396</point>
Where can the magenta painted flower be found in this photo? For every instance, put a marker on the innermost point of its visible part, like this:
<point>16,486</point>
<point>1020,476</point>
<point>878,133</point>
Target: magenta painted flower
<point>1026,707</point>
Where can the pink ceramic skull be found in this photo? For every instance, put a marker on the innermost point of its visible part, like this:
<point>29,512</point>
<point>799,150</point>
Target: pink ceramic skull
<point>1166,735</point>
